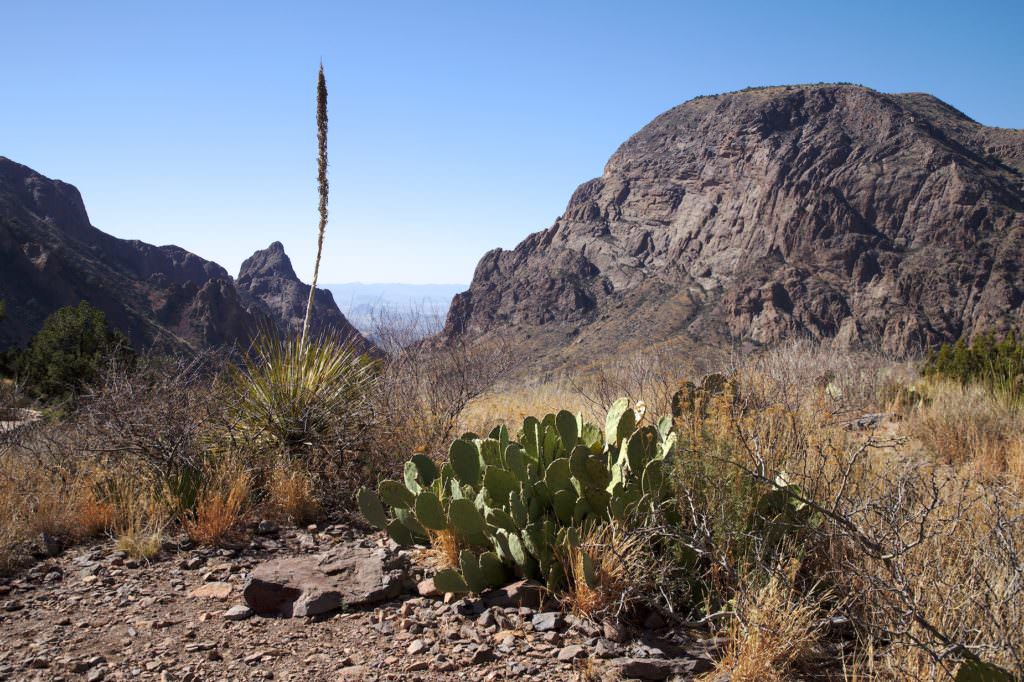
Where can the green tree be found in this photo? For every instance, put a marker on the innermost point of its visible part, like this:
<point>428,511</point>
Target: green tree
<point>69,352</point>
<point>998,364</point>
<point>3,310</point>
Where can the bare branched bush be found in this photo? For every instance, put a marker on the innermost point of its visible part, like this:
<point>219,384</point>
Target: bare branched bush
<point>157,411</point>
<point>652,376</point>
<point>424,387</point>
<point>776,468</point>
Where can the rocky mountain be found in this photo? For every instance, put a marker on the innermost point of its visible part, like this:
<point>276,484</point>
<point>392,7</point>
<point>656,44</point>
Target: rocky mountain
<point>270,288</point>
<point>164,296</point>
<point>828,211</point>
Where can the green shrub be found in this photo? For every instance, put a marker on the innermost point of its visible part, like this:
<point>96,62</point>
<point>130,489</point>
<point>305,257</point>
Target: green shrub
<point>69,352</point>
<point>997,364</point>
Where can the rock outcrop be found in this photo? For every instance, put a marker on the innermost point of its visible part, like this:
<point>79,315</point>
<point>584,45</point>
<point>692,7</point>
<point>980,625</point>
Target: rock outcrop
<point>159,296</point>
<point>273,290</point>
<point>828,211</point>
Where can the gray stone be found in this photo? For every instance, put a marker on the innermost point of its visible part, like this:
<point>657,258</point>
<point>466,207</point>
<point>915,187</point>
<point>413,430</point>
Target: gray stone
<point>238,612</point>
<point>313,585</point>
<point>549,620</point>
<point>570,653</point>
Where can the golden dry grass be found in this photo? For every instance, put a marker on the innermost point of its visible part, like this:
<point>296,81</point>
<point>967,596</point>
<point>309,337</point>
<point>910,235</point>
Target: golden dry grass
<point>444,548</point>
<point>775,631</point>
<point>219,506</point>
<point>140,513</point>
<point>291,495</point>
<point>970,429</point>
<point>618,574</point>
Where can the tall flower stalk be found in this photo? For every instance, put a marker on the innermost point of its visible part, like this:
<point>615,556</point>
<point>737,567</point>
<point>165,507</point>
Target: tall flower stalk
<point>321,177</point>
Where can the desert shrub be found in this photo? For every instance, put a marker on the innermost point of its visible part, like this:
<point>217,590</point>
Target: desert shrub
<point>156,410</point>
<point>423,388</point>
<point>906,541</point>
<point>994,363</point>
<point>69,352</point>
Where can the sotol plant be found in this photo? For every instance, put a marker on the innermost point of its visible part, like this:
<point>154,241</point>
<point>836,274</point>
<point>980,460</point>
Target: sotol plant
<point>515,504</point>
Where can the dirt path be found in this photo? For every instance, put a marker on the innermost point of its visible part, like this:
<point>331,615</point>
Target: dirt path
<point>92,614</point>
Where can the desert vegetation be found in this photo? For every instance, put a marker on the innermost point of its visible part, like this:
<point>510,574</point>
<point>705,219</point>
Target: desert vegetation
<point>838,515</point>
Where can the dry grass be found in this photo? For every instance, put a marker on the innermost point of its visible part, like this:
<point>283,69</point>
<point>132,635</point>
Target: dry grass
<point>775,632</point>
<point>444,548</point>
<point>968,428</point>
<point>618,571</point>
<point>141,514</point>
<point>510,404</point>
<point>35,500</point>
<point>219,506</point>
<point>291,494</point>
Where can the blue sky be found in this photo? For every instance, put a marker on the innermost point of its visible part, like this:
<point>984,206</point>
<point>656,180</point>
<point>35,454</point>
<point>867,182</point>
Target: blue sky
<point>455,127</point>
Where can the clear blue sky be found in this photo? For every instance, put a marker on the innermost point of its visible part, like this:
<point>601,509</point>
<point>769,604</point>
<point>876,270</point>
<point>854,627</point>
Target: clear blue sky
<point>455,127</point>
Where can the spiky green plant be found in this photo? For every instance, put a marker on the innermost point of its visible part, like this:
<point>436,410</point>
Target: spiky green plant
<point>514,502</point>
<point>298,393</point>
<point>321,177</point>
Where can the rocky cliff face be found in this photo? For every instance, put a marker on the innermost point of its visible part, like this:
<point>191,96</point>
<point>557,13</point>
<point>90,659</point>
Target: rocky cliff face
<point>829,211</point>
<point>272,290</point>
<point>163,296</point>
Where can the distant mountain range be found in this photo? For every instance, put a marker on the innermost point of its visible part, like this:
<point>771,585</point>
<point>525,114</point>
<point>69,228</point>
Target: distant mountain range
<point>423,305</point>
<point>833,212</point>
<point>159,296</point>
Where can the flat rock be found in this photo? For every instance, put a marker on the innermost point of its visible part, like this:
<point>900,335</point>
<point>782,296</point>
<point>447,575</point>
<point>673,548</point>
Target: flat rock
<point>426,588</point>
<point>213,590</point>
<point>570,653</point>
<point>238,612</point>
<point>548,621</point>
<point>653,668</point>
<point>528,593</point>
<point>313,585</point>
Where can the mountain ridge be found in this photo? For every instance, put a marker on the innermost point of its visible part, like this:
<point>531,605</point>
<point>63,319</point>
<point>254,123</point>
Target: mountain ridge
<point>159,296</point>
<point>830,211</point>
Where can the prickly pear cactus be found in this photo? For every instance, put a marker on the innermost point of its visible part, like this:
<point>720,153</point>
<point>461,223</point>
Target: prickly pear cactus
<point>513,502</point>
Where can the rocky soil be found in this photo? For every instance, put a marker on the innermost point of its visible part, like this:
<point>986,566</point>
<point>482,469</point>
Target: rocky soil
<point>91,613</point>
<point>827,211</point>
